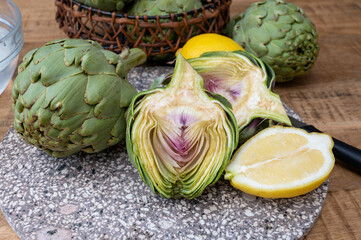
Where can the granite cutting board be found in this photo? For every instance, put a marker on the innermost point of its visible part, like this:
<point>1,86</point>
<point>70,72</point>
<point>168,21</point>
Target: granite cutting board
<point>101,196</point>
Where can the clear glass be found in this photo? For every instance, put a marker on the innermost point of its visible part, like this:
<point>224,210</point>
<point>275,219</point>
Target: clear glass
<point>11,41</point>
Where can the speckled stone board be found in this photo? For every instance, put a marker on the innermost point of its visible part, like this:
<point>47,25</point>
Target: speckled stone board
<point>101,196</point>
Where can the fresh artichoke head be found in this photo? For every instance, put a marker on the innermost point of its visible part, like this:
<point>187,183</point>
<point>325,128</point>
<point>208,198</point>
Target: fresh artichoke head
<point>246,82</point>
<point>279,33</point>
<point>71,95</point>
<point>179,137</point>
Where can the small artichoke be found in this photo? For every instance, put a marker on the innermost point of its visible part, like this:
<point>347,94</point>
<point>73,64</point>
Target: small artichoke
<point>107,5</point>
<point>180,137</point>
<point>71,95</point>
<point>280,34</point>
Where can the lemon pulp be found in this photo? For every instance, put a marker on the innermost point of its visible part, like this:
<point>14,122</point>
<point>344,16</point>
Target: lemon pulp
<point>281,162</point>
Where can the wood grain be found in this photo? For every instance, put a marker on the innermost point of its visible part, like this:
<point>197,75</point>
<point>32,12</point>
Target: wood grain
<point>328,97</point>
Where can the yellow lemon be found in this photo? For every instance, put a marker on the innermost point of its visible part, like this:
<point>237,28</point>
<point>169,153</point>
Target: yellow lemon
<point>281,162</point>
<point>208,42</point>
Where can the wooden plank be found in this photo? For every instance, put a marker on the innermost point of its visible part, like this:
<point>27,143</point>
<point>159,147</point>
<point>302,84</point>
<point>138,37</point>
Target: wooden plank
<point>6,233</point>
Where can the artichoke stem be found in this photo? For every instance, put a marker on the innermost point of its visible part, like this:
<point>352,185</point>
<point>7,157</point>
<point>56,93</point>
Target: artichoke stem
<point>190,82</point>
<point>136,57</point>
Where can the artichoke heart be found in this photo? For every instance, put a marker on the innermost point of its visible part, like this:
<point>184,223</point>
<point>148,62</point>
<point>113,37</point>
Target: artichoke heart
<point>179,137</point>
<point>71,95</point>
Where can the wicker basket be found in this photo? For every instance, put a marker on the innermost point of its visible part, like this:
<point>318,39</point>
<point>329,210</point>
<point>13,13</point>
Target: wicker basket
<point>156,35</point>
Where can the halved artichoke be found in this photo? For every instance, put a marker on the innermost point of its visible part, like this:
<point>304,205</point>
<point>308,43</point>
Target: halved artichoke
<point>71,95</point>
<point>246,82</point>
<point>180,137</point>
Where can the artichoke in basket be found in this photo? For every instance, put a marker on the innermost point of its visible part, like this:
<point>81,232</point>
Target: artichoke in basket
<point>161,8</point>
<point>180,137</point>
<point>71,95</point>
<point>246,82</point>
<point>280,34</point>
<point>107,5</point>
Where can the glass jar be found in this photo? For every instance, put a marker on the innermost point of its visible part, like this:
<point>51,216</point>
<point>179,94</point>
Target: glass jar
<point>11,41</point>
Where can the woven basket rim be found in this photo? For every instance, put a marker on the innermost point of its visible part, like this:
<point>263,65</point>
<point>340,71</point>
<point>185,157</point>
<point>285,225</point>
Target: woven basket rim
<point>211,5</point>
<point>80,21</point>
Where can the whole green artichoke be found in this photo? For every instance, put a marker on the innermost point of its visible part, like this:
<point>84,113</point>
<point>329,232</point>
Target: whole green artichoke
<point>71,95</point>
<point>107,5</point>
<point>180,137</point>
<point>280,34</point>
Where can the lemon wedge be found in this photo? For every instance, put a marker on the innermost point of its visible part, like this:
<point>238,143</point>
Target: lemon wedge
<point>281,162</point>
<point>208,42</point>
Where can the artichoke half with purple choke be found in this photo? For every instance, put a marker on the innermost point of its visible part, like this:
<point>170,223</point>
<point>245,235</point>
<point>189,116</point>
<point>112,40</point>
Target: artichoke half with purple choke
<point>71,95</point>
<point>246,82</point>
<point>180,137</point>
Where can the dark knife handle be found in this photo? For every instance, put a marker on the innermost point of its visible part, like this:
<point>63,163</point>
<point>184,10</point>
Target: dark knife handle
<point>342,151</point>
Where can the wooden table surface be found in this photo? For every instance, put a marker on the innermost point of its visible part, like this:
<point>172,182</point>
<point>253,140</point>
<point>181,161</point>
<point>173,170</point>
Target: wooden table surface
<point>329,97</point>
